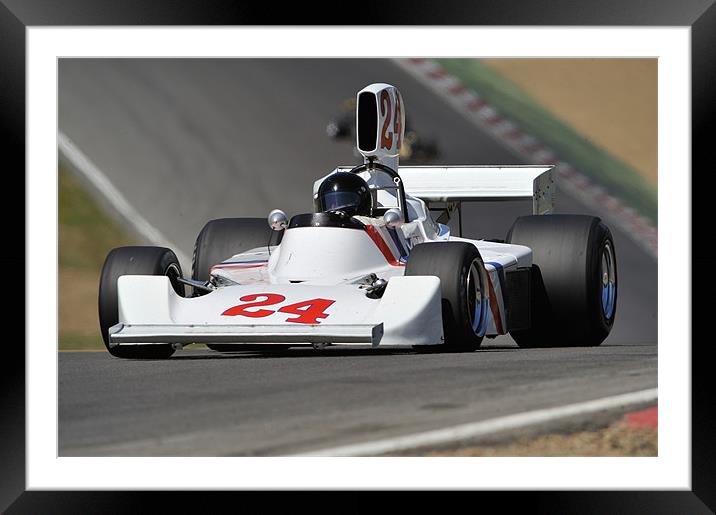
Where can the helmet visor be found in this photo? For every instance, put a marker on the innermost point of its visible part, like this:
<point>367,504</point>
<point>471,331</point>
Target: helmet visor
<point>338,200</point>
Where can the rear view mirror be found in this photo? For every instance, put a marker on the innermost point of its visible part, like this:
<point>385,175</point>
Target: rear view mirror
<point>393,218</point>
<point>277,220</point>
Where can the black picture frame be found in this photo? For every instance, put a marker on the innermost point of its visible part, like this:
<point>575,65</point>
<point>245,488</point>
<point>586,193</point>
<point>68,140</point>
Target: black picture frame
<point>17,15</point>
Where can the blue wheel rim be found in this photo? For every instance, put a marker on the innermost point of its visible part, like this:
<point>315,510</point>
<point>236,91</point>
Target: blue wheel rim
<point>608,280</point>
<point>477,298</point>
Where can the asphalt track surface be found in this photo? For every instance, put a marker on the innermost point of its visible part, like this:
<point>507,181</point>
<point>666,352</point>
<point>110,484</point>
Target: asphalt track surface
<point>190,140</point>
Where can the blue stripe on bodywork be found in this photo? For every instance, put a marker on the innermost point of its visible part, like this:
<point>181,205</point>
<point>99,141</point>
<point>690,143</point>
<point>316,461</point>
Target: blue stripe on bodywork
<point>244,262</point>
<point>500,273</point>
<point>398,243</point>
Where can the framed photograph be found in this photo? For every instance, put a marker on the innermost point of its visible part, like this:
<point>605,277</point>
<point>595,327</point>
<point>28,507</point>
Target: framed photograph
<point>404,256</point>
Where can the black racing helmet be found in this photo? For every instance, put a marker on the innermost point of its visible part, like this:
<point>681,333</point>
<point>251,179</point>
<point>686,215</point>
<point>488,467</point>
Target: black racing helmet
<point>346,192</point>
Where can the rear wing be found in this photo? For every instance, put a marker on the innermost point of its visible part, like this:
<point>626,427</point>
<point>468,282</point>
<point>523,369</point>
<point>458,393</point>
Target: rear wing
<point>452,185</point>
<point>481,183</point>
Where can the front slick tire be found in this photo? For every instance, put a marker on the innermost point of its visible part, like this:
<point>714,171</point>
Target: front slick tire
<point>463,283</point>
<point>134,261</point>
<point>574,280</point>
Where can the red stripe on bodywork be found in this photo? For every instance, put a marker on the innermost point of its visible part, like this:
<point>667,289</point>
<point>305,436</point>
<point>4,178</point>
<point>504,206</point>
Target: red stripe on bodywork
<point>382,246</point>
<point>222,267</point>
<point>494,306</point>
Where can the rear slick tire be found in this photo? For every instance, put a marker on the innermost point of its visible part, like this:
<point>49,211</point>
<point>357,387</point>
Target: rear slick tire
<point>224,237</point>
<point>574,280</point>
<point>219,240</point>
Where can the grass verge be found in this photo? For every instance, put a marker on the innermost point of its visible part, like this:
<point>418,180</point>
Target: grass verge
<point>86,235</point>
<point>515,104</point>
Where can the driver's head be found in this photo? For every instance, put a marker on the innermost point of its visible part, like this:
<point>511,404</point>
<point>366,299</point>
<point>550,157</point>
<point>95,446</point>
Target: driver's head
<point>347,192</point>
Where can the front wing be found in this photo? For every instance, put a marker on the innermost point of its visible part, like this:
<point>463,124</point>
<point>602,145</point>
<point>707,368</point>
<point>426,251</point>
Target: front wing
<point>408,313</point>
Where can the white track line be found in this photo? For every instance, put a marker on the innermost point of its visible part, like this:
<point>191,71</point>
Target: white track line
<point>487,427</point>
<point>476,110</point>
<point>99,180</point>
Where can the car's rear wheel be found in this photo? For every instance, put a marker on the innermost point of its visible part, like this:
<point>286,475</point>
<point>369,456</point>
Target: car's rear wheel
<point>222,238</point>
<point>463,284</point>
<point>136,260</point>
<point>574,287</point>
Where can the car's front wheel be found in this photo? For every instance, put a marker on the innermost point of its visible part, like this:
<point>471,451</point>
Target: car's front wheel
<point>136,260</point>
<point>464,288</point>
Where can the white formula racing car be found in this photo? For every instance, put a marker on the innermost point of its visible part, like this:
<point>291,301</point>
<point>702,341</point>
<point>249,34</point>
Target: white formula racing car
<point>375,264</point>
